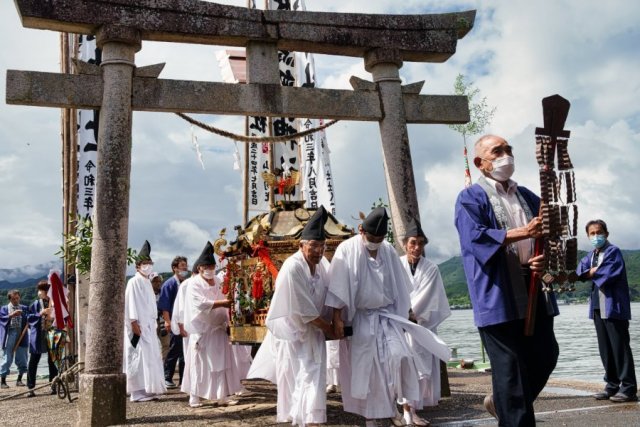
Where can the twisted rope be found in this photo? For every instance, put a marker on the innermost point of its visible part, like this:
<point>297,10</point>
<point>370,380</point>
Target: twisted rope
<point>256,139</point>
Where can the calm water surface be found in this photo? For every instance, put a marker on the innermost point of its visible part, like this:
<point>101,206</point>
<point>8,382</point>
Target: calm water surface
<point>576,335</point>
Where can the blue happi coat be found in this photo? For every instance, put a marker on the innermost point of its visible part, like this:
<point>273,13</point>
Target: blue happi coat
<point>611,280</point>
<point>484,258</point>
<point>4,325</point>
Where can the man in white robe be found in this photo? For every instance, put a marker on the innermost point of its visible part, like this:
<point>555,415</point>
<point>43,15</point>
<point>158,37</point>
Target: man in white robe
<point>298,325</point>
<point>210,369</point>
<point>143,359</point>
<point>430,307</point>
<point>369,290</point>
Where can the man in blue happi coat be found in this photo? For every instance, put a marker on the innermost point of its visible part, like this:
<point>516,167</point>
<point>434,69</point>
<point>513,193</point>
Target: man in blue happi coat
<point>13,339</point>
<point>610,309</point>
<point>497,222</point>
<point>40,320</point>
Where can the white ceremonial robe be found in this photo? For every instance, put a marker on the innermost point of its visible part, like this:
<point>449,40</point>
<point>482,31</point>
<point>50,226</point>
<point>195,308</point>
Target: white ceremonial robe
<point>210,369</point>
<point>177,315</point>
<point>300,346</point>
<point>142,364</point>
<point>333,361</point>
<point>379,365</point>
<point>431,307</point>
<point>241,353</point>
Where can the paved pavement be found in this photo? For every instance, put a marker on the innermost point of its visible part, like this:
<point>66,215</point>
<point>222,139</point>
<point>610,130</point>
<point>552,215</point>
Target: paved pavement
<point>562,403</point>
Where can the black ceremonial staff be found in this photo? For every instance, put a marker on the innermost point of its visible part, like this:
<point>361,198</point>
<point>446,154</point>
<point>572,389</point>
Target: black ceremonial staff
<point>558,208</point>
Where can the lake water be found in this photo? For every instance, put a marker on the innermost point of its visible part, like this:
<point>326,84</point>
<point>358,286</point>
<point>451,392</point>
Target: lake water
<point>576,335</point>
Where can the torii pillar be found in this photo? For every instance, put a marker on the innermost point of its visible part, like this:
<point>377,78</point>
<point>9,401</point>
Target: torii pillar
<point>384,66</point>
<point>103,384</point>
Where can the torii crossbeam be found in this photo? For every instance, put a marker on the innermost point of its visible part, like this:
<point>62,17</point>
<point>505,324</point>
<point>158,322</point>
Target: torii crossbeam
<point>117,88</point>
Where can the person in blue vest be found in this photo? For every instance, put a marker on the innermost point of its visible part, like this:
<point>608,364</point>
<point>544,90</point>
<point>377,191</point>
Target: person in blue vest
<point>40,320</point>
<point>610,309</point>
<point>13,338</point>
<point>497,223</point>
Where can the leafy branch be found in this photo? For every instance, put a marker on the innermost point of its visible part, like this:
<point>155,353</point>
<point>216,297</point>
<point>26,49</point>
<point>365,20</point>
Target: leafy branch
<point>78,246</point>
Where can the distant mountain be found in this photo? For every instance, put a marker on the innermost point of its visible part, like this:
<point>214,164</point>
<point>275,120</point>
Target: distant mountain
<point>20,274</point>
<point>455,282</point>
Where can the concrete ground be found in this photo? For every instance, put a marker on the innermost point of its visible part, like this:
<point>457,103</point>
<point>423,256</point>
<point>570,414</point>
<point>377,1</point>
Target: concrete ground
<point>563,403</point>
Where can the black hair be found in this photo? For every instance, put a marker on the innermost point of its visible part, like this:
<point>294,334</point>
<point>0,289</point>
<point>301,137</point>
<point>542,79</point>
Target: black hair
<point>177,260</point>
<point>599,222</point>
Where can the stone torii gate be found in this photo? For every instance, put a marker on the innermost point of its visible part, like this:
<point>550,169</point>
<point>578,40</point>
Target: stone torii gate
<point>118,87</point>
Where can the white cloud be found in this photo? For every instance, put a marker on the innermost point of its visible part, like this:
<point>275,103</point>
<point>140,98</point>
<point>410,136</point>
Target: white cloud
<point>517,53</point>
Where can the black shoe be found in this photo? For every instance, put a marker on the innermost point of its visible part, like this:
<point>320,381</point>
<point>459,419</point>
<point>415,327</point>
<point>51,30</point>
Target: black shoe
<point>621,397</point>
<point>31,394</point>
<point>169,384</point>
<point>603,395</point>
<point>4,385</point>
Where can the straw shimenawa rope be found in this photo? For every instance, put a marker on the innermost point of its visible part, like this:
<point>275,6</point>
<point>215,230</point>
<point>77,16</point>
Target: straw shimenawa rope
<point>256,139</point>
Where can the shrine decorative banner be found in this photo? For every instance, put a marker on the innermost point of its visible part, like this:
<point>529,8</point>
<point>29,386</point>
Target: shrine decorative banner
<point>317,180</point>
<point>88,121</point>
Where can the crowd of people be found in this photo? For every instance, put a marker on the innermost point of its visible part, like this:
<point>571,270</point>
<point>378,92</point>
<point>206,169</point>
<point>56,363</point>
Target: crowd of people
<point>368,293</point>
<point>26,333</point>
<point>365,322</point>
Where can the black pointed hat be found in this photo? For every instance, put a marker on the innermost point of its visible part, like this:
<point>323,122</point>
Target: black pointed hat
<point>415,230</point>
<point>314,229</point>
<point>376,223</point>
<point>206,257</point>
<point>145,252</point>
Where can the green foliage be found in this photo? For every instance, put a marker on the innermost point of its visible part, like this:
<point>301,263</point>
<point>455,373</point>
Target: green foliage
<point>381,204</point>
<point>79,246</point>
<point>455,282</point>
<point>480,114</point>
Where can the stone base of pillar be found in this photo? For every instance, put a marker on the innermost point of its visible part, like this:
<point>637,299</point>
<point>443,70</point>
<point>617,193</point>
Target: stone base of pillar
<point>102,400</point>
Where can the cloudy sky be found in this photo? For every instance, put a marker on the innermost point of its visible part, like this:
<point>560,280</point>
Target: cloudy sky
<point>517,53</point>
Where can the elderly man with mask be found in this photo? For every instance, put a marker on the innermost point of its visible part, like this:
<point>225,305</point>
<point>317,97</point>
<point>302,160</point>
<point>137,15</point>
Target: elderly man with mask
<point>369,290</point>
<point>210,368</point>
<point>497,222</point>
<point>298,321</point>
<point>143,360</point>
<point>430,307</point>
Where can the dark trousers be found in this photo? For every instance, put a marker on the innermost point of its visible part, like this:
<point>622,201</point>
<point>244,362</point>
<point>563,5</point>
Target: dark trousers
<point>616,356</point>
<point>175,355</point>
<point>520,365</point>
<point>34,359</point>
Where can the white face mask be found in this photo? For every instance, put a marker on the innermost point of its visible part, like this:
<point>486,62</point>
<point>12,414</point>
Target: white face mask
<point>183,274</point>
<point>146,269</point>
<point>503,168</point>
<point>209,274</point>
<point>372,246</point>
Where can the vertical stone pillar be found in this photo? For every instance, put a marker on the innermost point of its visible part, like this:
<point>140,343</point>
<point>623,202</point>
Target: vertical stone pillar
<point>263,67</point>
<point>262,63</point>
<point>103,385</point>
<point>384,65</point>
